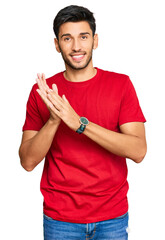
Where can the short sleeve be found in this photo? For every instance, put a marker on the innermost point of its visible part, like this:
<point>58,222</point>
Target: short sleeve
<point>130,110</point>
<point>33,120</point>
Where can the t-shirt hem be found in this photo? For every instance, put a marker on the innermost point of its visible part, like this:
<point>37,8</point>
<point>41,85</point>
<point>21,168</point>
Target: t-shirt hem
<point>143,120</point>
<point>30,129</point>
<point>87,220</point>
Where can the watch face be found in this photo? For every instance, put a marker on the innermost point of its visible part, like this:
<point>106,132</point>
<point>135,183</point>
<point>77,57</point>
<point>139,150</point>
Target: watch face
<point>84,121</point>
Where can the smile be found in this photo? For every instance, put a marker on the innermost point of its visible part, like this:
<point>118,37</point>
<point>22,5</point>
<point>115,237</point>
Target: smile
<point>78,58</point>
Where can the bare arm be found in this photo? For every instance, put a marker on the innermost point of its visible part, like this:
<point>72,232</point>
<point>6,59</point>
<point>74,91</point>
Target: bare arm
<point>35,144</point>
<point>130,143</point>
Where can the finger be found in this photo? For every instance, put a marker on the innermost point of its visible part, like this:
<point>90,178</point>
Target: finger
<point>43,96</point>
<point>43,76</point>
<point>55,89</point>
<point>39,83</point>
<point>49,105</point>
<point>45,99</point>
<point>64,98</point>
<point>42,83</point>
<point>56,101</point>
<point>39,76</point>
<point>42,90</point>
<point>54,110</point>
<point>39,80</point>
<point>54,94</point>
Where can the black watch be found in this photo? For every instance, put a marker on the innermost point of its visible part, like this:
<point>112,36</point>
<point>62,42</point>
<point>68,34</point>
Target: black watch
<point>84,122</point>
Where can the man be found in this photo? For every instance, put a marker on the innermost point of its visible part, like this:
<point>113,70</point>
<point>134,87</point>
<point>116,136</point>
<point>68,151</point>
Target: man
<point>85,122</point>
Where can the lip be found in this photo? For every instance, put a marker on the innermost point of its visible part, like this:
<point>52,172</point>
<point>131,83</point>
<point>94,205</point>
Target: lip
<point>77,57</point>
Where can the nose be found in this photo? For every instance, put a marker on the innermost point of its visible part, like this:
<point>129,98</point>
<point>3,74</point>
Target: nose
<point>76,46</point>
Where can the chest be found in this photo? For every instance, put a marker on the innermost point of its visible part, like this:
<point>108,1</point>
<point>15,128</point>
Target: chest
<point>99,103</point>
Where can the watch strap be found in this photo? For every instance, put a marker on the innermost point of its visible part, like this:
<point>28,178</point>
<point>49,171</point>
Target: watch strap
<point>81,129</point>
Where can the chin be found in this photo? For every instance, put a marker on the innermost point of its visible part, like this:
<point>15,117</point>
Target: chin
<point>78,66</point>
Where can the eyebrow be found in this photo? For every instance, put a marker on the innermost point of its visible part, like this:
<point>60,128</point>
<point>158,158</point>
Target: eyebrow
<point>68,34</point>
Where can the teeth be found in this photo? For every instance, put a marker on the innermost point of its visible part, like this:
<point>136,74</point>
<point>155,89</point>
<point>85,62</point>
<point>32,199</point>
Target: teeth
<point>79,56</point>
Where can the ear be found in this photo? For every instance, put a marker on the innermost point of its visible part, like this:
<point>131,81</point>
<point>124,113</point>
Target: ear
<point>57,45</point>
<point>95,44</point>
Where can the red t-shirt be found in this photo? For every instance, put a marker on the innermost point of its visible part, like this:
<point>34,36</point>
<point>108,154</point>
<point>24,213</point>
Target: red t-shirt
<point>81,181</point>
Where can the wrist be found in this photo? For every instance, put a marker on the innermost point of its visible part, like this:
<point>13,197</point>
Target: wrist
<point>83,122</point>
<point>75,123</point>
<point>52,121</point>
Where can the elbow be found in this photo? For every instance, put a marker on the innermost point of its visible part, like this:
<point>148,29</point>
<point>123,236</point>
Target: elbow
<point>139,158</point>
<point>27,167</point>
<point>25,162</point>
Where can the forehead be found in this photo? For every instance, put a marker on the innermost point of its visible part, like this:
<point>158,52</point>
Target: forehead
<point>74,28</point>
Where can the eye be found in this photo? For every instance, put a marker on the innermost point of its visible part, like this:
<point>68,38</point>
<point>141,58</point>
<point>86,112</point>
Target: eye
<point>67,39</point>
<point>84,37</point>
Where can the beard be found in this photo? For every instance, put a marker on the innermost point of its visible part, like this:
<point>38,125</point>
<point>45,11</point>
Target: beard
<point>74,66</point>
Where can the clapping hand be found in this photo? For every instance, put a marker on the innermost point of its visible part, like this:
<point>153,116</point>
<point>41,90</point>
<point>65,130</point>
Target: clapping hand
<point>59,107</point>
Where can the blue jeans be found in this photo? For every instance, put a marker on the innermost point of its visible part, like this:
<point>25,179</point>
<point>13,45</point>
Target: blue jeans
<point>113,229</point>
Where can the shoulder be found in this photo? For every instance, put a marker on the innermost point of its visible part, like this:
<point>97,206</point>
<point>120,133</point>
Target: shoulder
<point>115,77</point>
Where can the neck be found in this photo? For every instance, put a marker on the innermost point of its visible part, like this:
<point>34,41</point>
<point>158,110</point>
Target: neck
<point>80,75</point>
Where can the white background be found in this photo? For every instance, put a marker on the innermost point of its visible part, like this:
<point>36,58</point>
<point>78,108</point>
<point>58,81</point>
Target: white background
<point>131,41</point>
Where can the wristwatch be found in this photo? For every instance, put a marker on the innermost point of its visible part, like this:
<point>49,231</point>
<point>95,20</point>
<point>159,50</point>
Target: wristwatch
<point>84,122</point>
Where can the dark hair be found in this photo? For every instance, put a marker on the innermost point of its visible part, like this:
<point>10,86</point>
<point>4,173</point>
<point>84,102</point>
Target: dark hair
<point>73,13</point>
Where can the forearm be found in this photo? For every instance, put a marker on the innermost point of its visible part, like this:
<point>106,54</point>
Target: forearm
<point>33,150</point>
<point>129,144</point>
<point>120,144</point>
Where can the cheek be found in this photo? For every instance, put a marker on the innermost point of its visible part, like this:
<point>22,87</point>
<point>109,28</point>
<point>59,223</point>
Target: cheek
<point>89,46</point>
<point>65,48</point>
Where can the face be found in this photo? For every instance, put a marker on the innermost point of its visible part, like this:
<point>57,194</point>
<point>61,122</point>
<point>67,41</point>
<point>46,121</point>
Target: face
<point>76,44</point>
